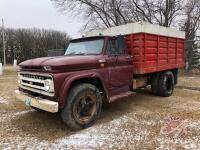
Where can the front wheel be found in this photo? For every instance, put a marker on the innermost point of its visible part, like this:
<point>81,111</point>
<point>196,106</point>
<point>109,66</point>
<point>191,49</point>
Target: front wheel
<point>82,107</point>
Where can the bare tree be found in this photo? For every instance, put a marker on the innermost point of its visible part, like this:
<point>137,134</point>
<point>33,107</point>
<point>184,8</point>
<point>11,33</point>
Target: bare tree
<point>171,9</point>
<point>98,13</point>
<point>162,12</point>
<point>107,13</point>
<point>191,26</point>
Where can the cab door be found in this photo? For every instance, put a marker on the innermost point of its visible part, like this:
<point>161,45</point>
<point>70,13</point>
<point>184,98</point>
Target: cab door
<point>120,67</point>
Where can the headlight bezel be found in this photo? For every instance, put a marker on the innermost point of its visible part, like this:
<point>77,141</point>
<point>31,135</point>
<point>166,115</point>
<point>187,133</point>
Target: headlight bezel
<point>18,78</point>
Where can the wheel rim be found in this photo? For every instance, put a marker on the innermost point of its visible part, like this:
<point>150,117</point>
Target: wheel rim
<point>85,107</point>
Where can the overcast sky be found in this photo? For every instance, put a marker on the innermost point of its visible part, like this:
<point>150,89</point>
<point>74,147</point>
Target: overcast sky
<point>37,13</point>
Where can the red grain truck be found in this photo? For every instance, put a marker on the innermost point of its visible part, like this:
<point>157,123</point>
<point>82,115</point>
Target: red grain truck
<point>104,66</point>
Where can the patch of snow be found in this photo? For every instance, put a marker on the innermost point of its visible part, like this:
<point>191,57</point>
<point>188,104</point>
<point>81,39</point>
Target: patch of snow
<point>186,142</point>
<point>110,134</point>
<point>28,143</point>
<point>22,112</point>
<point>3,100</point>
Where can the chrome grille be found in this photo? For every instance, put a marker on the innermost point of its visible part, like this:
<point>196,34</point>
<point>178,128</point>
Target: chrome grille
<point>36,83</point>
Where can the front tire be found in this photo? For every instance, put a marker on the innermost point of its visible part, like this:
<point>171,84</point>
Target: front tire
<point>82,107</point>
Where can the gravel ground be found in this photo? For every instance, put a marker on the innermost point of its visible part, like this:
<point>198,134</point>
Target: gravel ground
<point>143,121</point>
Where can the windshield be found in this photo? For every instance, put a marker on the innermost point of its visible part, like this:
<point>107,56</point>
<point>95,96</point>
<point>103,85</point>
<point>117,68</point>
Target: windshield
<point>85,47</point>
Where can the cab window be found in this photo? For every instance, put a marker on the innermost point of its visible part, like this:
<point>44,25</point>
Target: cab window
<point>115,47</point>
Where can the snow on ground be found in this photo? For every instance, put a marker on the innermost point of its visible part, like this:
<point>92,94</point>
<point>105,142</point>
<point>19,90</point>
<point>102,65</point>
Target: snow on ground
<point>186,142</point>
<point>110,135</point>
<point>114,134</point>
<point>134,123</point>
<point>128,131</point>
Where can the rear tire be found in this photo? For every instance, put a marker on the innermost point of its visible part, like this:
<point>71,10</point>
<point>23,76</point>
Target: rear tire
<point>166,84</point>
<point>154,84</point>
<point>82,107</point>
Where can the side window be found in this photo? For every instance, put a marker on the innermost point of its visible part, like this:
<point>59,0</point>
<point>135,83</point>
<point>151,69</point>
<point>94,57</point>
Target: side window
<point>115,47</point>
<point>112,47</point>
<point>121,44</point>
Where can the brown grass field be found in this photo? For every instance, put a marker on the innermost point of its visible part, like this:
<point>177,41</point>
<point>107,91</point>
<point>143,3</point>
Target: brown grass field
<point>142,122</point>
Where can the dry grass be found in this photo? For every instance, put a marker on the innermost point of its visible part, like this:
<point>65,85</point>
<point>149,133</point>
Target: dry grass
<point>8,84</point>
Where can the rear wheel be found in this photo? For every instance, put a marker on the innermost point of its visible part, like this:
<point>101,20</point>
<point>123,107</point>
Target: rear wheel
<point>82,107</point>
<point>166,84</point>
<point>154,84</point>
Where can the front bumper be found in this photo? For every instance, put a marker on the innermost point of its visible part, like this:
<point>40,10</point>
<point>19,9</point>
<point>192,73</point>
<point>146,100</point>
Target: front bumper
<point>42,104</point>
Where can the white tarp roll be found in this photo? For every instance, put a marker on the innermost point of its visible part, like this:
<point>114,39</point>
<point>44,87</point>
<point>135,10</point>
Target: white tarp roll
<point>138,27</point>
<point>1,69</point>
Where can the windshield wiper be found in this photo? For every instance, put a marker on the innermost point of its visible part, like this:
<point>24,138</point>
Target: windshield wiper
<point>74,53</point>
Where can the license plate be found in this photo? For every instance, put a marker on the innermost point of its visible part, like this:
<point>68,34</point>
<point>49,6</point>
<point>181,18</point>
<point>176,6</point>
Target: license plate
<point>27,102</point>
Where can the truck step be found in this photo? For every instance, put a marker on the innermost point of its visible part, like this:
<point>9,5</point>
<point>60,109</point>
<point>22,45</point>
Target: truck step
<point>121,95</point>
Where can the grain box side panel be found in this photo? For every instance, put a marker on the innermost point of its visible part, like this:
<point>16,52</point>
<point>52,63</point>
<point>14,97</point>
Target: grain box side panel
<point>153,53</point>
<point>151,45</point>
<point>135,46</point>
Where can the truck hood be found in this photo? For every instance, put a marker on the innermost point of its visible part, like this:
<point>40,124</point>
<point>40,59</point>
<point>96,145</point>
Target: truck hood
<point>63,63</point>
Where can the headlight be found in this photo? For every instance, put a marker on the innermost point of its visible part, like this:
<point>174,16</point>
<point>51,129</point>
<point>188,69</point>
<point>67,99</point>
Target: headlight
<point>47,86</point>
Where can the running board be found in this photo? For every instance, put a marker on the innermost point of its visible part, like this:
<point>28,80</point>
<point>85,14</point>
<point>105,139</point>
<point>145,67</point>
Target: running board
<point>122,95</point>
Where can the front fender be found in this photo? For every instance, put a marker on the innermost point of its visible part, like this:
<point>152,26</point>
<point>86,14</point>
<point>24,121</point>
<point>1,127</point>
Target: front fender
<point>72,78</point>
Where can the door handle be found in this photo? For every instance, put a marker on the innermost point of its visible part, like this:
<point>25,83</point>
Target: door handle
<point>129,57</point>
<point>102,61</point>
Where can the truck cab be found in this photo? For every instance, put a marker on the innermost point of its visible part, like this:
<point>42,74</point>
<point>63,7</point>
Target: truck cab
<point>92,71</point>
